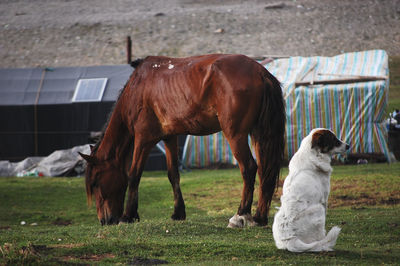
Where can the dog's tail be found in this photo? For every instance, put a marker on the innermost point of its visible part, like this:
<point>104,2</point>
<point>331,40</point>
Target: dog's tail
<point>326,244</point>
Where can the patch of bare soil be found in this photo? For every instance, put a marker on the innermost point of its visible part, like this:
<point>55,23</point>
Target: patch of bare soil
<point>146,261</point>
<point>61,222</point>
<point>356,200</point>
<point>36,252</point>
<point>90,32</point>
<point>5,228</point>
<point>75,245</point>
<point>354,195</point>
<point>89,258</point>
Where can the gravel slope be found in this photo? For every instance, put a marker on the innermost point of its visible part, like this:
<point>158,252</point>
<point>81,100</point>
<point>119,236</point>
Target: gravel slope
<point>93,32</point>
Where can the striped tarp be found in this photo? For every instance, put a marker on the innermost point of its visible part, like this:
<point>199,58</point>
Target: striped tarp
<point>353,111</point>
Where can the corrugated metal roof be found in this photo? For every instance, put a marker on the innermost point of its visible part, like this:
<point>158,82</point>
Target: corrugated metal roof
<point>24,86</point>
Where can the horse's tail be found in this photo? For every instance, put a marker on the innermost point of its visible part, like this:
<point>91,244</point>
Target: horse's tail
<point>268,138</point>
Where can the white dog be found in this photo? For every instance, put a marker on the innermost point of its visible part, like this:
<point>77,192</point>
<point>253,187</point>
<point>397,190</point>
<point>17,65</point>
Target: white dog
<point>299,225</point>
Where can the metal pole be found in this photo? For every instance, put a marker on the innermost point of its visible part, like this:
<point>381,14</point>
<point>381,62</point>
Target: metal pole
<point>35,113</point>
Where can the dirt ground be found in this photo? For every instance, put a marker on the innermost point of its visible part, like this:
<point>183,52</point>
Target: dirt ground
<point>93,32</point>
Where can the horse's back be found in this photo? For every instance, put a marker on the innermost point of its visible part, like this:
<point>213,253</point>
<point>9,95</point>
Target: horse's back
<point>191,95</point>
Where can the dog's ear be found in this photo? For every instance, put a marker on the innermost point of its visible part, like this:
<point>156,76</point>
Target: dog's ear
<point>316,140</point>
<point>321,140</point>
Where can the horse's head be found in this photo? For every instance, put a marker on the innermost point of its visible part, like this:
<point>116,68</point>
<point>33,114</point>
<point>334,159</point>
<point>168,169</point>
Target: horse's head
<point>107,182</point>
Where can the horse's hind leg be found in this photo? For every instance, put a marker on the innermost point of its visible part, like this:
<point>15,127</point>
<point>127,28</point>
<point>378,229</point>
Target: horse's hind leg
<point>171,145</point>
<point>248,169</point>
<point>140,154</point>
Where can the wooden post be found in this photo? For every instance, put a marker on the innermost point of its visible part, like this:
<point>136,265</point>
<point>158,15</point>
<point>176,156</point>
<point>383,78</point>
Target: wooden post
<point>354,79</point>
<point>128,49</point>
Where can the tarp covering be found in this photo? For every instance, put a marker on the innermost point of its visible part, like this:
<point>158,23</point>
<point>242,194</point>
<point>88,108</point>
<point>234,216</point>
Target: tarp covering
<point>354,111</point>
<point>59,163</point>
<point>68,162</point>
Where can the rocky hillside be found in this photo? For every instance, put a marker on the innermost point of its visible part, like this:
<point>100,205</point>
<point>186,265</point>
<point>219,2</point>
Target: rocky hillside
<point>93,32</point>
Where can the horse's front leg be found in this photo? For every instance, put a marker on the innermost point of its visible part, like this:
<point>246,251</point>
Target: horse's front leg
<point>140,154</point>
<point>131,214</point>
<point>171,149</point>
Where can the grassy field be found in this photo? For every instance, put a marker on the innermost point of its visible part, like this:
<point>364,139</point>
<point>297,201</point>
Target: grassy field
<point>46,220</point>
<point>394,88</point>
<point>60,228</point>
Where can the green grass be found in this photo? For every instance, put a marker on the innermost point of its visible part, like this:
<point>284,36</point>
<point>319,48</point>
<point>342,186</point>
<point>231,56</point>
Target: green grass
<point>394,87</point>
<point>364,201</point>
<point>67,231</point>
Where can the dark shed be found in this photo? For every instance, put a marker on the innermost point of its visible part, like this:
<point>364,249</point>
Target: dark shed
<point>42,109</point>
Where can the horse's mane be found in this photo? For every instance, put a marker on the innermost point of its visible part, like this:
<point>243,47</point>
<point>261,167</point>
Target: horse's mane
<point>135,64</point>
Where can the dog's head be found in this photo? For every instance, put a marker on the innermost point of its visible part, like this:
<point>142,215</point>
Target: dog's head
<point>325,141</point>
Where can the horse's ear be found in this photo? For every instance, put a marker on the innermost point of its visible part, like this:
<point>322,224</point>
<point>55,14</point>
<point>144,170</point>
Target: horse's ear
<point>89,158</point>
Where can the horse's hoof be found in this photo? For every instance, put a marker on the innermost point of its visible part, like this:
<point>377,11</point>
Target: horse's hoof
<point>125,220</point>
<point>260,221</point>
<point>109,221</point>
<point>240,221</point>
<point>178,216</point>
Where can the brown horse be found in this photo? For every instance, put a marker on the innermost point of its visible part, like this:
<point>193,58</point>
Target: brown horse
<point>200,95</point>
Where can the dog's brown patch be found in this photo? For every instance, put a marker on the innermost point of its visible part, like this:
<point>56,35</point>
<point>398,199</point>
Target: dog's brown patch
<point>324,139</point>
